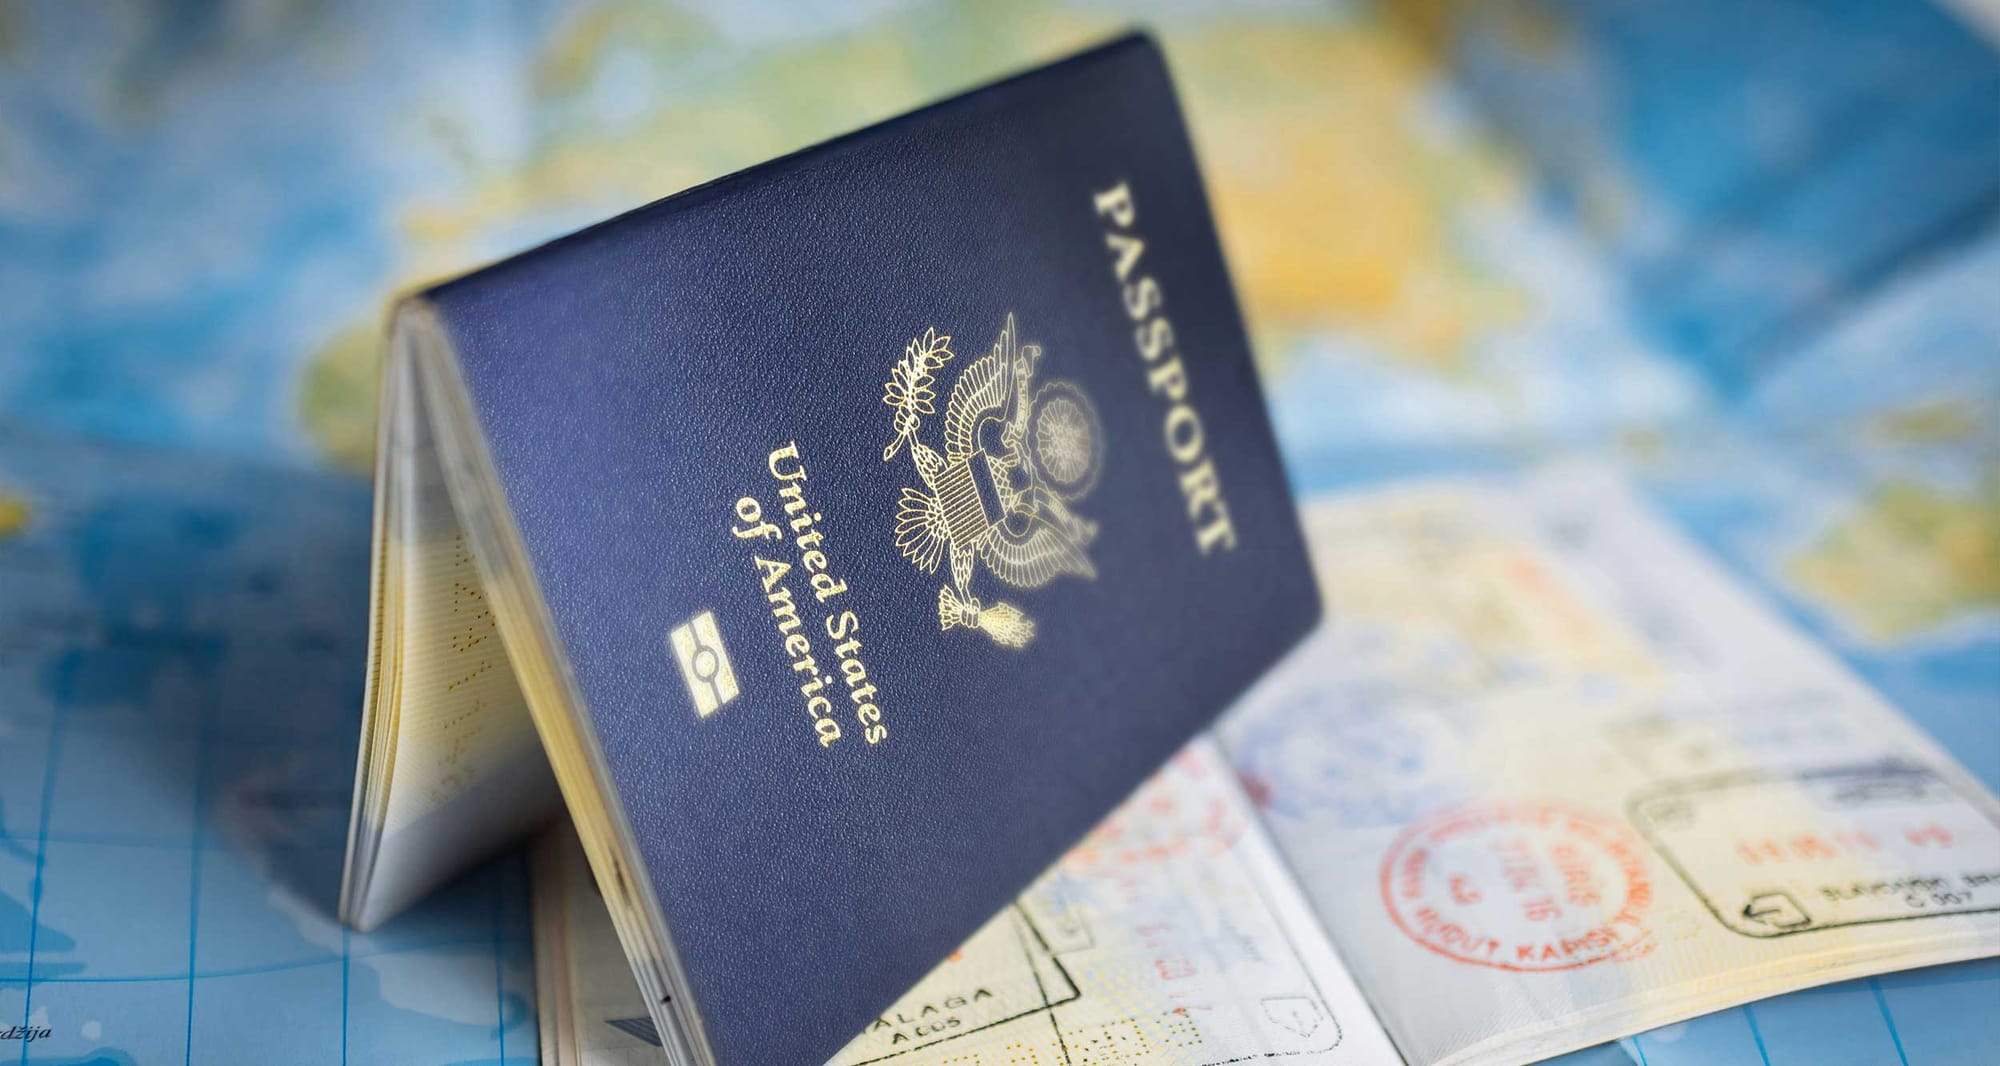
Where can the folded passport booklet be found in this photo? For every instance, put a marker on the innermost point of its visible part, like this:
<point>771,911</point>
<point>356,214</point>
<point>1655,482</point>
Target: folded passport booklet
<point>847,535</point>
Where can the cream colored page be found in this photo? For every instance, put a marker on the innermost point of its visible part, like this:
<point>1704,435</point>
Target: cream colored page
<point>1170,937</point>
<point>467,774</point>
<point>462,718</point>
<point>1550,779</point>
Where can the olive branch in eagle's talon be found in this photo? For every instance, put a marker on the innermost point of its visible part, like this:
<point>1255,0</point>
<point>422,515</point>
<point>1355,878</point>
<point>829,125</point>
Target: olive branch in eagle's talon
<point>909,389</point>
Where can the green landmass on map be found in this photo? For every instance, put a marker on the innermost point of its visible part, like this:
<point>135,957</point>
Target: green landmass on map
<point>1908,558</point>
<point>338,396</point>
<point>1946,420</point>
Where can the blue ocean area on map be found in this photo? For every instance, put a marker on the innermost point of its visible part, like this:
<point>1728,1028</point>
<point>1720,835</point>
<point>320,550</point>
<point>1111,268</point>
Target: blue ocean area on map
<point>1748,253</point>
<point>180,663</point>
<point>1738,174</point>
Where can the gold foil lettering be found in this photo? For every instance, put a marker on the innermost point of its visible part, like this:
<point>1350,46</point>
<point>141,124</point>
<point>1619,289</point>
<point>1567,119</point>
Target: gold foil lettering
<point>787,467</point>
<point>1144,303</point>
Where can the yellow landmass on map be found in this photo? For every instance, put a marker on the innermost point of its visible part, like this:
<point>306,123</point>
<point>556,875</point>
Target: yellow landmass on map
<point>1910,557</point>
<point>747,105</point>
<point>1337,183</point>
<point>1336,191</point>
<point>15,514</point>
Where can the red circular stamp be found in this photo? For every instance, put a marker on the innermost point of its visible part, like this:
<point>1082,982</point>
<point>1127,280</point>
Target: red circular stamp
<point>1520,886</point>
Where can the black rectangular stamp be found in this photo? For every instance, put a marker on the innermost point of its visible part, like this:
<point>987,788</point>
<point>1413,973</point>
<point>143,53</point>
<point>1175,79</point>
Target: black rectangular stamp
<point>1776,854</point>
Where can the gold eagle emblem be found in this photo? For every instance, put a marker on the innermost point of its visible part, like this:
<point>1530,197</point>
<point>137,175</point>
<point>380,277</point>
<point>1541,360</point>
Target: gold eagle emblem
<point>1016,457</point>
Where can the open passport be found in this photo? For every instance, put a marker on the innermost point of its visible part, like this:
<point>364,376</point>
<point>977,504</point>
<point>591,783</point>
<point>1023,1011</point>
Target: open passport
<point>1545,778</point>
<point>837,542</point>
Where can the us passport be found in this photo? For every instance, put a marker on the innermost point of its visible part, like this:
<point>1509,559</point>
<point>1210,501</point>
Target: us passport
<point>837,542</point>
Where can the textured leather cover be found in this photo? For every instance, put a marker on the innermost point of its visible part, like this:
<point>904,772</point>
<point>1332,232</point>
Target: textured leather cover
<point>633,382</point>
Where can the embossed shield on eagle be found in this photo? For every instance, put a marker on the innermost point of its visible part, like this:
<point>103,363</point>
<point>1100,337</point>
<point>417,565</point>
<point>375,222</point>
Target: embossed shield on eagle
<point>1015,458</point>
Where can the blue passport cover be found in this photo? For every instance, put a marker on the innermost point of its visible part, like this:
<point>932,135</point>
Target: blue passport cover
<point>900,505</point>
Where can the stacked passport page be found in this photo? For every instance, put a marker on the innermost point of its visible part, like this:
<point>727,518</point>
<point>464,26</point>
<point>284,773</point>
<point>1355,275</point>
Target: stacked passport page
<point>841,544</point>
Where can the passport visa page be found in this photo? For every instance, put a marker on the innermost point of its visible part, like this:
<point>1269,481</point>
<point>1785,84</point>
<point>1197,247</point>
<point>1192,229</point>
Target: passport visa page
<point>1544,779</point>
<point>1170,935</point>
<point>1549,779</point>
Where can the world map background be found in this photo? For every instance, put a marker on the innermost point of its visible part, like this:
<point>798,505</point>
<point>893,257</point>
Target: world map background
<point>1748,253</point>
